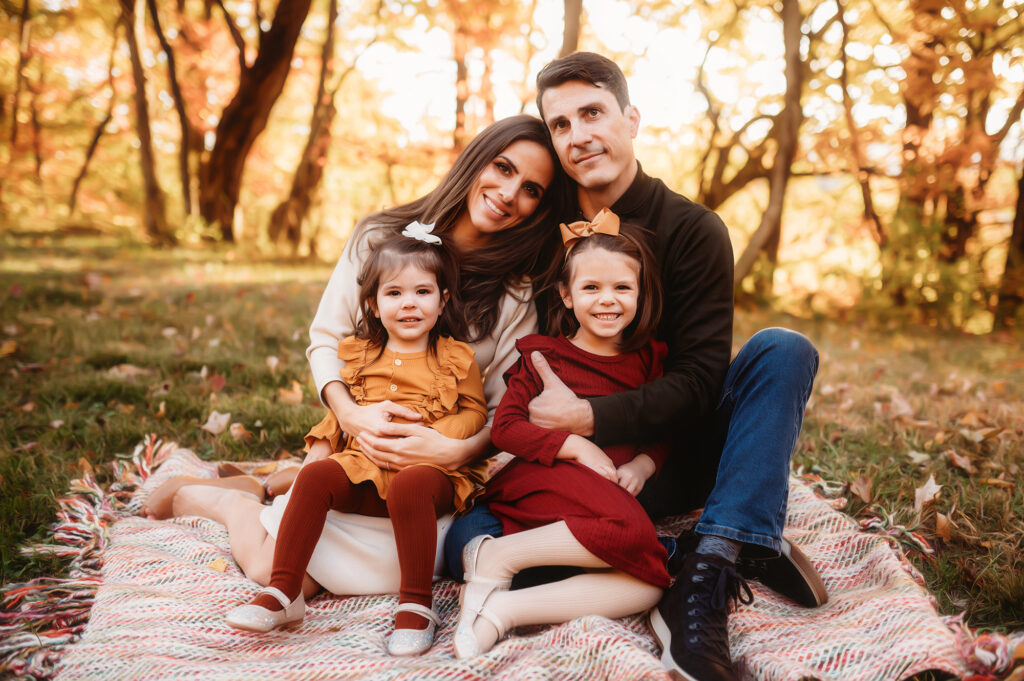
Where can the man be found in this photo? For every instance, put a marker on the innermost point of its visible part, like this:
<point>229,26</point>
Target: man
<point>732,426</point>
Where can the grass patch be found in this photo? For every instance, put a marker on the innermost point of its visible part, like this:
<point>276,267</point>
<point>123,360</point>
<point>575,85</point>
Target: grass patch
<point>113,341</point>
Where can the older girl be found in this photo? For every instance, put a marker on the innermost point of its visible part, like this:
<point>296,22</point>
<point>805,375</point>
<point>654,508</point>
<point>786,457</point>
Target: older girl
<point>563,500</point>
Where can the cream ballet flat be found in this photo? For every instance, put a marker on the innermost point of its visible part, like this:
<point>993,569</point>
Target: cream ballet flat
<point>257,618</point>
<point>473,598</point>
<point>408,642</point>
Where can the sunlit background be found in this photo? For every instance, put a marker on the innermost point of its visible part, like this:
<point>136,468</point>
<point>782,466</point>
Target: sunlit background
<point>709,82</point>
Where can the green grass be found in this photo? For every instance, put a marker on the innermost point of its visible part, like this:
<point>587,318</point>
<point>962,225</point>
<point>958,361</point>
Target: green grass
<point>82,307</point>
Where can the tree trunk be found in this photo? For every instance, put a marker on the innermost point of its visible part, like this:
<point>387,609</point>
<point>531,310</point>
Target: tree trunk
<point>179,105</point>
<point>460,45</point>
<point>487,87</point>
<point>1011,288</point>
<point>787,128</point>
<point>24,32</point>
<point>863,178</point>
<point>155,216</point>
<point>245,117</point>
<point>288,216</point>
<point>571,27</point>
<point>37,129</point>
<point>101,128</point>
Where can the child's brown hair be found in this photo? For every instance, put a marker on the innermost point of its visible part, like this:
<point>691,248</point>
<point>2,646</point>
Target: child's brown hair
<point>631,242</point>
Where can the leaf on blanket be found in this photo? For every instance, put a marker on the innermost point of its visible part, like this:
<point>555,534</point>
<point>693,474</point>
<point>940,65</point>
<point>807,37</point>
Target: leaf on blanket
<point>218,564</point>
<point>291,395</point>
<point>216,423</point>
<point>926,493</point>
<point>266,469</point>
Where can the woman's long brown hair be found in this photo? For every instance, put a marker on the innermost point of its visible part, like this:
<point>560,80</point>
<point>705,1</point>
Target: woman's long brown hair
<point>511,254</point>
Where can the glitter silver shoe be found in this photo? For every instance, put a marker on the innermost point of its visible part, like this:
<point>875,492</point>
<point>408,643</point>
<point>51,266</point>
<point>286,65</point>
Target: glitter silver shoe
<point>257,618</point>
<point>407,642</point>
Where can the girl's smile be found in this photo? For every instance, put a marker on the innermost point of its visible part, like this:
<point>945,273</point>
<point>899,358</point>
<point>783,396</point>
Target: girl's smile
<point>603,295</point>
<point>408,303</point>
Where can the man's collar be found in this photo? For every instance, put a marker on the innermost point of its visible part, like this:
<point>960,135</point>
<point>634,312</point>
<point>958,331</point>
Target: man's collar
<point>636,196</point>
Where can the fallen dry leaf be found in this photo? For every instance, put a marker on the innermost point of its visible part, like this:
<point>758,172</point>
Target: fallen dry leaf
<point>216,423</point>
<point>962,462</point>
<point>162,411</point>
<point>272,363</point>
<point>862,488</point>
<point>974,419</point>
<point>926,493</point>
<point>216,382</point>
<point>9,347</point>
<point>918,458</point>
<point>239,433</point>
<point>57,423</point>
<point>942,526</point>
<point>997,482</point>
<point>999,389</point>
<point>291,396</point>
<point>128,372</point>
<point>218,564</point>
<point>28,407</point>
<point>266,469</point>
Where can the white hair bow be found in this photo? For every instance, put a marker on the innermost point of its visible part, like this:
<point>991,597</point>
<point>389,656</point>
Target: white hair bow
<point>418,230</point>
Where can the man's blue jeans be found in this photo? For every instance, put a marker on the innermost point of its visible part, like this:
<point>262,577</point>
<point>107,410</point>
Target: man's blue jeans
<point>738,469</point>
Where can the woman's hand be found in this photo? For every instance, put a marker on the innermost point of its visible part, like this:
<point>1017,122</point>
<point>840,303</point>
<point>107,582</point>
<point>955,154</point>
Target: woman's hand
<point>355,419</point>
<point>634,474</point>
<point>398,445</point>
<point>585,452</point>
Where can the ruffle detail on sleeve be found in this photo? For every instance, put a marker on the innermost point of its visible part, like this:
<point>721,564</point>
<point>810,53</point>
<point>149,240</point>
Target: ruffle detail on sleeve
<point>353,351</point>
<point>454,360</point>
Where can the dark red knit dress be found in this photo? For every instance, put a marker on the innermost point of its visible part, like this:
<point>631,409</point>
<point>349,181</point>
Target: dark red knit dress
<point>536,489</point>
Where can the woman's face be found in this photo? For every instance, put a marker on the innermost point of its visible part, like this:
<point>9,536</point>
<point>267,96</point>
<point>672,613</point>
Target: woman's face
<point>507,191</point>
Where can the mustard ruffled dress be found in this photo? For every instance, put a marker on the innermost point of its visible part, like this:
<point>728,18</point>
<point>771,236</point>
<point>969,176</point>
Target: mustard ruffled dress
<point>444,388</point>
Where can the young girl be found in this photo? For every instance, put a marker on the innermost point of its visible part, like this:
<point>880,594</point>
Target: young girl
<point>398,354</point>
<point>563,500</point>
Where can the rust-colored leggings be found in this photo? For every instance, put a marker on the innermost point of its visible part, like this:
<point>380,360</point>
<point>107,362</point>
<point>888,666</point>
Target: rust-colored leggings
<point>417,496</point>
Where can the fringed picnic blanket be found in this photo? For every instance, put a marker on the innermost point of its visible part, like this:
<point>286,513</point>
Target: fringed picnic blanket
<point>155,593</point>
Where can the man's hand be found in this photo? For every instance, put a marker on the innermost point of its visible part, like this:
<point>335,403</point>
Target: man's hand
<point>585,452</point>
<point>634,474</point>
<point>557,407</point>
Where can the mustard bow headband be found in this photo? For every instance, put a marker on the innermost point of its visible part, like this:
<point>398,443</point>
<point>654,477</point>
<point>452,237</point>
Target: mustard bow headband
<point>605,222</point>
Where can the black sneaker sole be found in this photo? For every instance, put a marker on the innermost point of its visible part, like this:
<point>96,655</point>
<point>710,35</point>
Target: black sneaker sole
<point>663,636</point>
<point>792,575</point>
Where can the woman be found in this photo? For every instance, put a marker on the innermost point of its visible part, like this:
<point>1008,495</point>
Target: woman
<point>498,205</point>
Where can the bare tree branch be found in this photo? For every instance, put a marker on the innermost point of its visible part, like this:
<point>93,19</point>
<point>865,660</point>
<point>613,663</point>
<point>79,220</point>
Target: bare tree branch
<point>236,35</point>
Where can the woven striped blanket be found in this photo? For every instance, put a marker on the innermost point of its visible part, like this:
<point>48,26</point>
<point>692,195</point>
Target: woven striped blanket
<point>164,586</point>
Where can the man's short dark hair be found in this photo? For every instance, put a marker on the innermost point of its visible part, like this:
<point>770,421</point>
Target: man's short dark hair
<point>588,67</point>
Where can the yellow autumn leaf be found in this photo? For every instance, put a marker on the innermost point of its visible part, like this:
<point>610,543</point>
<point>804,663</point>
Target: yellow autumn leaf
<point>9,347</point>
<point>265,469</point>
<point>218,564</point>
<point>291,395</point>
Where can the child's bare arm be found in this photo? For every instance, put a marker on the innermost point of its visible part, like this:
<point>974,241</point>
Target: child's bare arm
<point>633,475</point>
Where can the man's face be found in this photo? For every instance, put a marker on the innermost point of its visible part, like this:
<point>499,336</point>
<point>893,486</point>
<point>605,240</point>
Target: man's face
<point>592,135</point>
